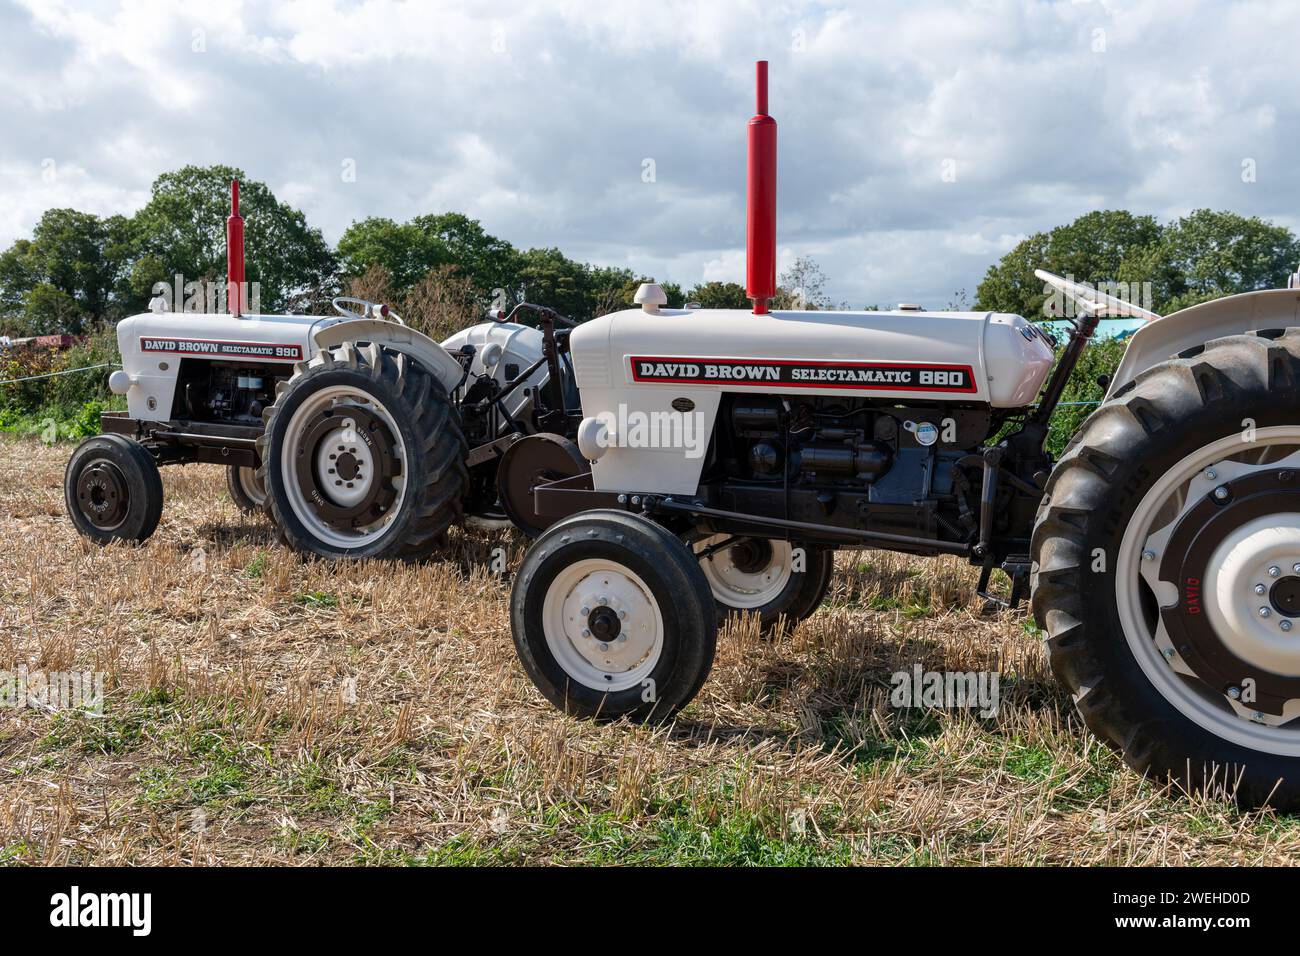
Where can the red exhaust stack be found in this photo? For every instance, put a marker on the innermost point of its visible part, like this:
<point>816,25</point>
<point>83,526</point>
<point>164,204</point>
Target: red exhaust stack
<point>760,227</point>
<point>235,253</point>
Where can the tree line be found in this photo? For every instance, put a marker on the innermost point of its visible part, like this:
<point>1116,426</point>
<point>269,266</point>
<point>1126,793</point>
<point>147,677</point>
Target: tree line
<point>79,270</point>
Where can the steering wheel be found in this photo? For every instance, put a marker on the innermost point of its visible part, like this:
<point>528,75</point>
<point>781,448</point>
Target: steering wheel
<point>369,310</point>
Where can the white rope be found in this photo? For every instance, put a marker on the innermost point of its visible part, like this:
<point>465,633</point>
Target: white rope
<point>69,371</point>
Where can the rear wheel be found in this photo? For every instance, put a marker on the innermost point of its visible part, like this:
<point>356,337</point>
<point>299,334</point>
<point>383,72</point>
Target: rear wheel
<point>363,457</point>
<point>1167,569</point>
<point>246,489</point>
<point>113,490</point>
<point>612,618</point>
<point>773,579</point>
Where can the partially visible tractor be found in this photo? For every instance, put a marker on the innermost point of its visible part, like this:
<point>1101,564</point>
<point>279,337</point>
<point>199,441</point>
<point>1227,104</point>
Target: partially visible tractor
<point>1161,552</point>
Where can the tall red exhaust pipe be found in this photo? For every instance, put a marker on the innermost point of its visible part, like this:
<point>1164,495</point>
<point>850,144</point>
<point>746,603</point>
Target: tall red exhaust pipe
<point>235,253</point>
<point>760,225</point>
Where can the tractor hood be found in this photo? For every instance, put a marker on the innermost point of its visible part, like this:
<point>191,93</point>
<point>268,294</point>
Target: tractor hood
<point>983,357</point>
<point>154,343</point>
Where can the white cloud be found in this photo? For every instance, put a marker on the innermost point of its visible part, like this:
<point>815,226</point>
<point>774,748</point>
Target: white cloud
<point>537,117</point>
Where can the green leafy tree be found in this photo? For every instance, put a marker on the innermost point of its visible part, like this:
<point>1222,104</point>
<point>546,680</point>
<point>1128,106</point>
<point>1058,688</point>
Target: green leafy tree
<point>549,277</point>
<point>1097,248</point>
<point>719,295</point>
<point>410,250</point>
<point>404,250</point>
<point>182,230</point>
<point>490,263</point>
<point>1208,254</point>
<point>70,274</point>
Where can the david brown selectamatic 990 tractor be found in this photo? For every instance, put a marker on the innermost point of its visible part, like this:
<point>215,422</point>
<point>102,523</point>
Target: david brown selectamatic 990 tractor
<point>1162,552</point>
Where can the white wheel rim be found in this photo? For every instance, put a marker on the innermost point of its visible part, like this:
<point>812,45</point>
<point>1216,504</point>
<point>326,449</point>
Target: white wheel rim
<point>613,665</point>
<point>1231,570</point>
<point>250,485</point>
<point>339,397</point>
<point>743,589</point>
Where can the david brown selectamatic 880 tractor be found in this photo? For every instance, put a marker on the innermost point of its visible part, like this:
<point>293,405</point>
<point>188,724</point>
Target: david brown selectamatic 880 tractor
<point>1162,552</point>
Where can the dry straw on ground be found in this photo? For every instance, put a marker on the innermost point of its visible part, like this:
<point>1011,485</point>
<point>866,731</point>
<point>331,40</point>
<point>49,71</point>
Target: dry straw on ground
<point>265,710</point>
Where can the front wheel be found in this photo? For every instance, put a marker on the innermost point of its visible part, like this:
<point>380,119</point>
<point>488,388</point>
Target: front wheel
<point>777,581</point>
<point>612,617</point>
<point>1167,570</point>
<point>113,490</point>
<point>246,489</point>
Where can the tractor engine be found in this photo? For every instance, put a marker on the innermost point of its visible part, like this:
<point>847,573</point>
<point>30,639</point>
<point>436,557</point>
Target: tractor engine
<point>232,393</point>
<point>905,469</point>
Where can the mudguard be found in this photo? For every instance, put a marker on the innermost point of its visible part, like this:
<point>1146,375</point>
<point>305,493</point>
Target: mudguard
<point>402,338</point>
<point>1166,337</point>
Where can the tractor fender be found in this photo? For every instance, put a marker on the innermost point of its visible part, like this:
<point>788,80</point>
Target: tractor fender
<point>432,356</point>
<point>1232,315</point>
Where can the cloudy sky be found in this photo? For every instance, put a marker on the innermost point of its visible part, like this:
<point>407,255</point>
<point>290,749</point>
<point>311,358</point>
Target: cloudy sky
<point>918,141</point>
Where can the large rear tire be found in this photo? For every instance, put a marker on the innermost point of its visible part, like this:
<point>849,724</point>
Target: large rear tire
<point>1166,569</point>
<point>363,457</point>
<point>612,618</point>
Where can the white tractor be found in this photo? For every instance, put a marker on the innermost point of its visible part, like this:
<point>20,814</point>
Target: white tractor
<point>361,437</point>
<point>678,465</point>
<point>1162,552</point>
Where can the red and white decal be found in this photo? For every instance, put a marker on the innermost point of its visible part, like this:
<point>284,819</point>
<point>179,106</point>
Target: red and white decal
<point>215,348</point>
<point>785,373</point>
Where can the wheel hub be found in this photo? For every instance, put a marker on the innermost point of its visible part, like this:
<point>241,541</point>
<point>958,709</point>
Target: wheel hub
<point>102,494</point>
<point>1225,563</point>
<point>352,466</point>
<point>603,626</point>
<point>748,574</point>
<point>1285,597</point>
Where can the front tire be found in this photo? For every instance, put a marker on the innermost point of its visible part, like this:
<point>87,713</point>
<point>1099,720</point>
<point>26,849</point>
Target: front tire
<point>780,582</point>
<point>1166,570</point>
<point>612,617</point>
<point>246,489</point>
<point>113,490</point>
<point>363,457</point>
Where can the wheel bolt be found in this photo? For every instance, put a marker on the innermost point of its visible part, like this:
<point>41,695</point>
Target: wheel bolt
<point>1221,493</point>
<point>622,615</point>
<point>1296,567</point>
<point>604,646</point>
<point>1234,693</point>
<point>1260,589</point>
<point>622,638</point>
<point>1274,571</point>
<point>1284,624</point>
<point>586,632</point>
<point>1210,474</point>
<point>585,610</point>
<point>1264,612</point>
<point>1148,555</point>
<point>602,600</point>
<point>1169,653</point>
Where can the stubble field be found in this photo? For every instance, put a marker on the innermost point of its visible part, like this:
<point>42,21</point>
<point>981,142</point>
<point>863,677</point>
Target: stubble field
<point>261,709</point>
